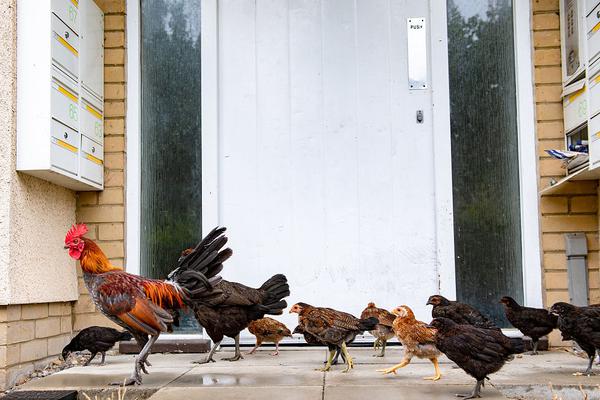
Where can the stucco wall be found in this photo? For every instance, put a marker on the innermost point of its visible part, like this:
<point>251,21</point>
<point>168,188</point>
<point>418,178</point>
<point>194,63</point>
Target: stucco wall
<point>34,214</point>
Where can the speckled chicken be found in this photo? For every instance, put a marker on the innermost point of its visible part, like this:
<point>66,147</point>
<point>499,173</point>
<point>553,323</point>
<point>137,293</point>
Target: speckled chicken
<point>268,330</point>
<point>384,330</point>
<point>314,341</point>
<point>417,339</point>
<point>332,327</point>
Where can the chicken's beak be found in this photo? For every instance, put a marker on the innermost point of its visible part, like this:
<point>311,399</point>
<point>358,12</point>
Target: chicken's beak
<point>429,326</point>
<point>429,303</point>
<point>66,247</point>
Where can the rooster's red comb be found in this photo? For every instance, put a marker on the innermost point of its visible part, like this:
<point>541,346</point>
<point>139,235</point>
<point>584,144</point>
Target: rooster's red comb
<point>76,231</point>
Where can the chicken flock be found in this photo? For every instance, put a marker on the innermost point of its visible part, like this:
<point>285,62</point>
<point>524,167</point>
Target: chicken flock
<point>145,308</point>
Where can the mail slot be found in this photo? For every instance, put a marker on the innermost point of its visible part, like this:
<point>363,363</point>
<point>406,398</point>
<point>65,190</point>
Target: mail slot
<point>64,148</point>
<point>92,123</point>
<point>64,105</point>
<point>68,12</point>
<point>92,160</point>
<point>65,47</point>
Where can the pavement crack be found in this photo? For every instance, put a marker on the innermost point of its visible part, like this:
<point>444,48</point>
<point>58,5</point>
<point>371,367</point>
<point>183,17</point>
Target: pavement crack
<point>323,388</point>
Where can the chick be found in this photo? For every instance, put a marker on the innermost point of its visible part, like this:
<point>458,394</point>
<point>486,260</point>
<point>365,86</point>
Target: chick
<point>95,339</point>
<point>384,330</point>
<point>417,339</point>
<point>268,330</point>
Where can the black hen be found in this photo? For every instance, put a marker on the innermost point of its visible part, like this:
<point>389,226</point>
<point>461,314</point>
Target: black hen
<point>581,324</point>
<point>532,322</point>
<point>460,313</point>
<point>234,306</point>
<point>478,351</point>
<point>95,339</point>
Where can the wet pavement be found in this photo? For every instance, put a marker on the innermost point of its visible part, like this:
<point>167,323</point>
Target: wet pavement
<point>292,374</point>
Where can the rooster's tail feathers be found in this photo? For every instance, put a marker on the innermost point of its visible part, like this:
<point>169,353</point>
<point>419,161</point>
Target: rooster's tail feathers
<point>276,287</point>
<point>275,308</point>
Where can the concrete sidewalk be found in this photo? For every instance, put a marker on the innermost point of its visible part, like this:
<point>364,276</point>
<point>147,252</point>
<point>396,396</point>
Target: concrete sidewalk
<point>292,374</point>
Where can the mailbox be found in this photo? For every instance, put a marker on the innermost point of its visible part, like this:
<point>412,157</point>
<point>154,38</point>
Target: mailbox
<point>60,92</point>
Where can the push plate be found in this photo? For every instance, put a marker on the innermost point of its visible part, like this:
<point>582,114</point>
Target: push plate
<point>417,53</point>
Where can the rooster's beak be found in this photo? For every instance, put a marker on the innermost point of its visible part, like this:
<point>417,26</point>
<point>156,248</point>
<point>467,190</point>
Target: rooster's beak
<point>66,247</point>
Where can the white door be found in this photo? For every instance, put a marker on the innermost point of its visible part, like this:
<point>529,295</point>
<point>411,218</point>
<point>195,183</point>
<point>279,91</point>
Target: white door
<point>321,160</point>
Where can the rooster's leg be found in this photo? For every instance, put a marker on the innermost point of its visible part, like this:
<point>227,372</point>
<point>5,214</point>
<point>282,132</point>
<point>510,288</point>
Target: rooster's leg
<point>438,374</point>
<point>476,392</point>
<point>140,360</point>
<point>405,361</point>
<point>90,359</point>
<point>329,360</point>
<point>256,346</point>
<point>103,361</point>
<point>535,346</point>
<point>238,354</point>
<point>210,355</point>
<point>376,344</point>
<point>349,360</point>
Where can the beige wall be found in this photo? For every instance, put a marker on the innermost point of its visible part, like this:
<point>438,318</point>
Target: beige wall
<point>34,214</point>
<point>574,208</point>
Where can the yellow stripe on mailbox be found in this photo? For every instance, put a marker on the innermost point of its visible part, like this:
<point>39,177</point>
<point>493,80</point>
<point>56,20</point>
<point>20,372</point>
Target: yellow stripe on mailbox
<point>66,145</point>
<point>93,112</point>
<point>93,159</point>
<point>68,46</point>
<point>67,93</point>
<point>75,3</point>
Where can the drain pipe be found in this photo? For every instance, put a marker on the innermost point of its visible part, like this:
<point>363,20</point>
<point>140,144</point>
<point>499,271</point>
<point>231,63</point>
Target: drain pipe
<point>576,252</point>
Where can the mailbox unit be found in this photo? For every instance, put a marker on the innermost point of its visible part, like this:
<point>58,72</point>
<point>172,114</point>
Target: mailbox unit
<point>60,92</point>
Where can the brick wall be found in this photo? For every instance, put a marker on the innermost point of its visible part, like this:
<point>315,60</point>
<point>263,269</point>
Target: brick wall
<point>31,335</point>
<point>574,208</point>
<point>104,212</point>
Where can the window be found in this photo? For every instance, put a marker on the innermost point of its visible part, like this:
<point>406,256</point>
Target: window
<point>485,153</point>
<point>170,138</point>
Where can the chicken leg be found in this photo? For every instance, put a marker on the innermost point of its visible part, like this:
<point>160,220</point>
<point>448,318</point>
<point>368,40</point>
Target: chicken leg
<point>476,392</point>
<point>238,353</point>
<point>349,360</point>
<point>438,374</point>
<point>209,357</point>
<point>393,369</point>
<point>276,352</point>
<point>140,362</point>
<point>328,363</point>
<point>256,346</point>
<point>89,360</point>
<point>383,343</point>
<point>103,361</point>
<point>588,371</point>
<point>535,346</point>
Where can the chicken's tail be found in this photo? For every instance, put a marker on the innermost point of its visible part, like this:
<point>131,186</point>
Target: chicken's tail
<point>368,324</point>
<point>198,271</point>
<point>125,336</point>
<point>275,288</point>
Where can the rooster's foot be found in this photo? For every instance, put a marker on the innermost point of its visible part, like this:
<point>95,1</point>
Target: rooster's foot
<point>469,396</point>
<point>379,355</point>
<point>388,371</point>
<point>128,382</point>
<point>433,378</point>
<point>275,353</point>
<point>324,369</point>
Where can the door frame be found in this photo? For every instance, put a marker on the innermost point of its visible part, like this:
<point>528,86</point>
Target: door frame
<point>530,220</point>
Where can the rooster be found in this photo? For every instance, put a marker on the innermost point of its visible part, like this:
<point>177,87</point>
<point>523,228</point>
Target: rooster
<point>417,339</point>
<point>147,307</point>
<point>235,306</point>
<point>332,327</point>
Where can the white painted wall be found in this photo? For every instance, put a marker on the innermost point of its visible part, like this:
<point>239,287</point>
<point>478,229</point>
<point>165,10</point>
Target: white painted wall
<point>323,172</point>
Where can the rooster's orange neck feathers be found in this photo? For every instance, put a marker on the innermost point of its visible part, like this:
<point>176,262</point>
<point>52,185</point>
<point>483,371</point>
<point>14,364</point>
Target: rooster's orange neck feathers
<point>94,261</point>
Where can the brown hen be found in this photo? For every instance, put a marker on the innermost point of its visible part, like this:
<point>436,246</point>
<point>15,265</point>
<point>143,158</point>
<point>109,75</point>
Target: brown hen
<point>384,330</point>
<point>268,330</point>
<point>332,327</point>
<point>417,339</point>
